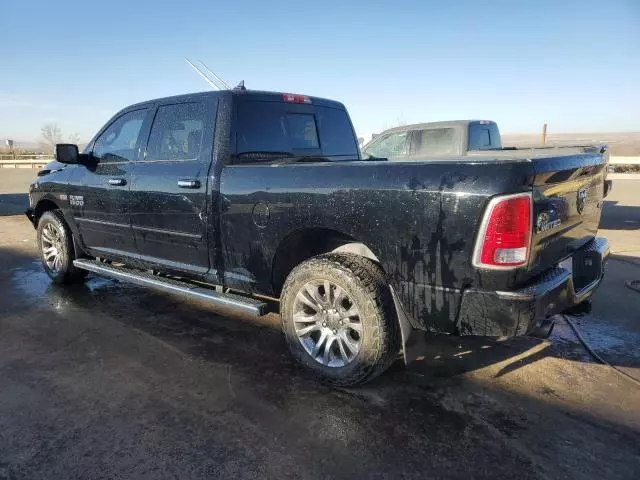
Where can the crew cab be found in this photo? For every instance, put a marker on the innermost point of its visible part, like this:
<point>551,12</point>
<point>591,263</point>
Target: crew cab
<point>260,201</point>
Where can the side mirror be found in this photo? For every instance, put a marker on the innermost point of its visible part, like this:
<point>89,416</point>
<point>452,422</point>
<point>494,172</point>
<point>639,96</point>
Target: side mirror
<point>67,153</point>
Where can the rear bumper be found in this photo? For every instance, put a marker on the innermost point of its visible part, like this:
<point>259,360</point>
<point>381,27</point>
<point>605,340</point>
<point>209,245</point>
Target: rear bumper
<point>518,312</point>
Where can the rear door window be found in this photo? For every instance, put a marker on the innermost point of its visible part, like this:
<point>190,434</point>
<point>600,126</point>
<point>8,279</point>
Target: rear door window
<point>266,129</point>
<point>176,133</point>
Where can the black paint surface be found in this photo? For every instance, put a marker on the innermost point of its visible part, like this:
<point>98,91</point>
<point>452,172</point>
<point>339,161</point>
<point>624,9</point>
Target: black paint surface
<point>247,224</point>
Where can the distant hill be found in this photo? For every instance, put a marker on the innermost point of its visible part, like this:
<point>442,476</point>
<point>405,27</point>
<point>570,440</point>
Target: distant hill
<point>625,144</point>
<point>21,146</point>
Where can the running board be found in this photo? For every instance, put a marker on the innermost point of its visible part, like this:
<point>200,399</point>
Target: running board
<point>246,305</point>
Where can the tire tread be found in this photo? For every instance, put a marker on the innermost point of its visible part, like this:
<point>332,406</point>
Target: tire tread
<point>372,279</point>
<point>71,274</point>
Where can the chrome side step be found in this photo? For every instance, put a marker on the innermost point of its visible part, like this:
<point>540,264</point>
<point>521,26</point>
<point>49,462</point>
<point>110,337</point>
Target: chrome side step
<point>246,305</point>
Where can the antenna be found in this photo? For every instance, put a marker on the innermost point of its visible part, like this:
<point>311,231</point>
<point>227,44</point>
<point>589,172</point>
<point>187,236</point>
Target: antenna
<point>207,79</point>
<point>226,85</point>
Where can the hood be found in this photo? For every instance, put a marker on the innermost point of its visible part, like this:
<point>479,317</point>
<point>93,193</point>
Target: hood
<point>51,167</point>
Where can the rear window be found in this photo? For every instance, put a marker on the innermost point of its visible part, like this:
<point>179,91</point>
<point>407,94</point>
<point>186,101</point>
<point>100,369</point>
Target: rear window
<point>302,130</point>
<point>264,127</point>
<point>484,136</point>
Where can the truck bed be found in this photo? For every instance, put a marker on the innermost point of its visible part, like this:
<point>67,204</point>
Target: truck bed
<point>514,153</point>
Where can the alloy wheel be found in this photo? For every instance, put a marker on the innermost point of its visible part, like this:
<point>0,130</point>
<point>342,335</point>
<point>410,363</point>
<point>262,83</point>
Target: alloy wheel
<point>327,323</point>
<point>51,245</point>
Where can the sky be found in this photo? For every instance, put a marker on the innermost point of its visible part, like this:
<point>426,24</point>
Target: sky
<point>574,64</point>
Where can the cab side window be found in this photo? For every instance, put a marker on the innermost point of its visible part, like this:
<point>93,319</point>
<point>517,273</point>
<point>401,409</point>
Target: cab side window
<point>176,133</point>
<point>434,141</point>
<point>121,140</point>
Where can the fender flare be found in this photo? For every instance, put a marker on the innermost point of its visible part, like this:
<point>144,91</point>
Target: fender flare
<point>75,234</point>
<point>406,329</point>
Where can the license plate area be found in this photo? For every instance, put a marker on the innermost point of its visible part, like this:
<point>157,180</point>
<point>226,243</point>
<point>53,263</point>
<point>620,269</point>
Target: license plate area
<point>567,264</point>
<point>587,268</point>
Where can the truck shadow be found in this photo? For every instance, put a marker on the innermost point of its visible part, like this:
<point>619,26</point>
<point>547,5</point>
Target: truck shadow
<point>13,203</point>
<point>619,217</point>
<point>226,336</point>
<point>448,356</point>
<point>416,418</point>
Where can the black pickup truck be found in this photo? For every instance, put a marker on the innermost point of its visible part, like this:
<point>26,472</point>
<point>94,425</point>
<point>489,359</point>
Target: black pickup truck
<point>256,201</point>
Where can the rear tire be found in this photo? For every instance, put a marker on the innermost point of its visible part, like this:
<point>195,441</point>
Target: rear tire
<point>347,334</point>
<point>55,244</point>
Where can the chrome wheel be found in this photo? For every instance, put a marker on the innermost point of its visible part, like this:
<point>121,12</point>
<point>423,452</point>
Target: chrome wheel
<point>51,245</point>
<point>327,323</point>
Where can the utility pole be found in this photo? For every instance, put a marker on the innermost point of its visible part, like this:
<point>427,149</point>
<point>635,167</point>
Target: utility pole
<point>11,151</point>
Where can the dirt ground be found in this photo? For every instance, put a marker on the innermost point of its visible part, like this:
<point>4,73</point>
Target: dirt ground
<point>108,380</point>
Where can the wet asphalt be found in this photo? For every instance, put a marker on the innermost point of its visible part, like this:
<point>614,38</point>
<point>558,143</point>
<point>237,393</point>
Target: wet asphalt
<point>109,380</point>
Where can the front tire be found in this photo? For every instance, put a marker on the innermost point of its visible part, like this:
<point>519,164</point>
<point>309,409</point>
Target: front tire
<point>339,318</point>
<point>55,244</point>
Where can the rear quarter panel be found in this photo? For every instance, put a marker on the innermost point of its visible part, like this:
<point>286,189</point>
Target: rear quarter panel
<point>418,218</point>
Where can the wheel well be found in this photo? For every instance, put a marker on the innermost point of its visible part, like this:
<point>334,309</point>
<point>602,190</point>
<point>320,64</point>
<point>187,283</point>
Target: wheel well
<point>306,243</point>
<point>41,207</point>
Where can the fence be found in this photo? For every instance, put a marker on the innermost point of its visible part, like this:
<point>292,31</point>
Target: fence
<point>24,161</point>
<point>39,161</point>
<point>624,160</point>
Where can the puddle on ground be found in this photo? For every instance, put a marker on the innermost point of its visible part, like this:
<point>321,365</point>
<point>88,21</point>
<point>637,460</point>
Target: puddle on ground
<point>30,279</point>
<point>34,285</point>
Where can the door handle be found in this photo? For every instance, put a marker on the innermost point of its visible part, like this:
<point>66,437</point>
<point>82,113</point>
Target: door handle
<point>117,182</point>
<point>189,183</point>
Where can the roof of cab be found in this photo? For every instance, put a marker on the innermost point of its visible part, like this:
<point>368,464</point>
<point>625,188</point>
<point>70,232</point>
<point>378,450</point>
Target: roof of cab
<point>248,94</point>
<point>430,125</point>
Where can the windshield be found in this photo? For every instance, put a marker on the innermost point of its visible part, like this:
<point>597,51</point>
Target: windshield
<point>392,145</point>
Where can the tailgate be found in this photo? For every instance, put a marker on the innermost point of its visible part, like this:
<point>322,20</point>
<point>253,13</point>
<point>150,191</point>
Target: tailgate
<point>567,202</point>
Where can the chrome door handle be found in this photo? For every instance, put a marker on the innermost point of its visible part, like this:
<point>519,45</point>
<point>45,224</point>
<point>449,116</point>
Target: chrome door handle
<point>189,183</point>
<point>117,182</point>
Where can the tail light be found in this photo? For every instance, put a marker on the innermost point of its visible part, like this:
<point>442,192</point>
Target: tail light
<point>504,240</point>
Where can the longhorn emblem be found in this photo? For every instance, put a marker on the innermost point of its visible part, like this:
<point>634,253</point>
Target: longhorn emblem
<point>582,199</point>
